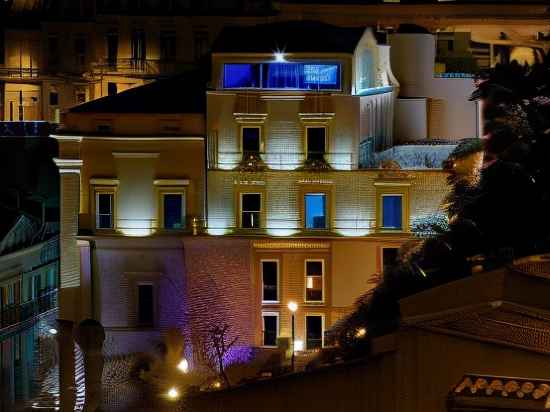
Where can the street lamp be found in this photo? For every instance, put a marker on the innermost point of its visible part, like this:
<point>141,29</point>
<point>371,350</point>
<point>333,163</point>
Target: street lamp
<point>293,307</point>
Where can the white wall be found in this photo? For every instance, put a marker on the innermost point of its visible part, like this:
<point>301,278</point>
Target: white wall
<point>411,119</point>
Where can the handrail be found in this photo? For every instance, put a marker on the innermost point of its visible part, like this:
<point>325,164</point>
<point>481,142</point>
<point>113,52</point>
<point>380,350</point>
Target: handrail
<point>281,160</point>
<point>16,313</point>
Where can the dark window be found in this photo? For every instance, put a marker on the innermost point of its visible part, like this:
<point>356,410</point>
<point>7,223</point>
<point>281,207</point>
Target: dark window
<point>392,212</point>
<point>53,50</point>
<point>104,211</point>
<point>168,45</point>
<point>201,44</point>
<point>315,211</point>
<point>450,45</point>
<point>111,88</point>
<point>145,305</point>
<point>251,139</point>
<point>54,98</point>
<point>389,257</point>
<point>303,76</point>
<point>139,48</point>
<point>314,281</point>
<point>112,49</point>
<point>316,141</point>
<point>270,330</point>
<point>251,206</point>
<point>314,332</point>
<point>173,211</point>
<point>80,50</point>
<point>81,97</point>
<point>269,281</point>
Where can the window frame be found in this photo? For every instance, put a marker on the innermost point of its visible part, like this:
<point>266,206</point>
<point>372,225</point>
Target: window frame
<point>278,300</point>
<point>105,190</point>
<point>278,327</point>
<point>260,135</point>
<point>183,196</point>
<point>315,126</point>
<point>393,229</point>
<point>323,276</point>
<point>323,329</point>
<point>241,211</point>
<point>393,188</point>
<point>305,215</point>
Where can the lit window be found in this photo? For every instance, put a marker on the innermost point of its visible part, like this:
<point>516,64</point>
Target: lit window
<point>270,272</point>
<point>251,139</point>
<point>314,332</point>
<point>316,142</point>
<point>270,328</point>
<point>315,210</point>
<point>145,305</point>
<point>251,206</point>
<point>173,210</point>
<point>314,281</point>
<point>392,212</point>
<point>239,75</point>
<point>389,257</point>
<point>104,210</point>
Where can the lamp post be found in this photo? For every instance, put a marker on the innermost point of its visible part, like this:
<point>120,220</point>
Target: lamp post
<point>292,306</point>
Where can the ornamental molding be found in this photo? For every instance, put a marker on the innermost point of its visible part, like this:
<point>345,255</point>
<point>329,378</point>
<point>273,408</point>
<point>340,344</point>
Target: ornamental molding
<point>171,182</point>
<point>250,118</point>
<point>104,181</point>
<point>316,117</point>
<point>291,244</point>
<point>135,155</point>
<point>68,165</point>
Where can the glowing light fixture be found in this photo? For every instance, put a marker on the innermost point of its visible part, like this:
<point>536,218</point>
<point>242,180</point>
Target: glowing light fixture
<point>292,306</point>
<point>217,384</point>
<point>52,331</point>
<point>279,56</point>
<point>173,393</point>
<point>298,345</point>
<point>183,366</point>
<point>361,332</point>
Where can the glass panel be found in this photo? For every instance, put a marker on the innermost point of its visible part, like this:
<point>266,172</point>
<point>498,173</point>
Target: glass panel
<point>251,207</point>
<point>238,75</point>
<point>392,212</point>
<point>315,211</point>
<point>314,332</point>
<point>315,142</point>
<point>104,210</point>
<point>389,257</point>
<point>270,330</point>
<point>145,304</point>
<point>314,281</point>
<point>251,139</point>
<point>269,276</point>
<point>173,211</point>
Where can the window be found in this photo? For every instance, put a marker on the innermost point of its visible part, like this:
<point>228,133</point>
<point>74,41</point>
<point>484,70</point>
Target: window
<point>112,48</point>
<point>168,45</point>
<point>80,50</point>
<point>201,44</point>
<point>139,50</point>
<point>314,280</point>
<point>389,257</point>
<point>53,50</point>
<point>316,142</point>
<point>173,206</point>
<point>145,305</point>
<point>111,89</point>
<point>251,139</point>
<point>270,281</point>
<point>104,210</point>
<point>392,212</point>
<point>251,206</point>
<point>54,98</point>
<point>270,328</point>
<point>315,210</point>
<point>314,332</point>
<point>302,76</point>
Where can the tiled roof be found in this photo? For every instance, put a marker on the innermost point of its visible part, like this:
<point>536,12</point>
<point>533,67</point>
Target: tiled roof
<point>290,37</point>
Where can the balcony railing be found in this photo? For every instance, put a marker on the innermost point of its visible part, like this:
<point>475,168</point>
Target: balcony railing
<point>285,160</point>
<point>454,75</point>
<point>141,66</point>
<point>20,72</point>
<point>13,314</point>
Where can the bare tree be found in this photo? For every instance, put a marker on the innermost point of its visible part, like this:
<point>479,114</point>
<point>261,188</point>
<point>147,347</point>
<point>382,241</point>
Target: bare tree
<point>217,346</point>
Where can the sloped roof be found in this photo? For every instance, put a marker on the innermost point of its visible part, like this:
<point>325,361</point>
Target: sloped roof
<point>289,37</point>
<point>185,93</point>
<point>21,234</point>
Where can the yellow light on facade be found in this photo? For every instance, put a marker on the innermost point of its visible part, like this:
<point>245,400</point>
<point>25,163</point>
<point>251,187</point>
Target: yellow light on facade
<point>217,385</point>
<point>183,366</point>
<point>298,345</point>
<point>292,306</point>
<point>361,332</point>
<point>173,393</point>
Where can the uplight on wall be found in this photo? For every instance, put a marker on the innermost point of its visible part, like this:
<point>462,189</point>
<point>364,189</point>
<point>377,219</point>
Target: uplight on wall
<point>298,345</point>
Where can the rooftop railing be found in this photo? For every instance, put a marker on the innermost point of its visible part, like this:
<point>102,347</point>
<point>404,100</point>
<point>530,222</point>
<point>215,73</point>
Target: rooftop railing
<point>16,313</point>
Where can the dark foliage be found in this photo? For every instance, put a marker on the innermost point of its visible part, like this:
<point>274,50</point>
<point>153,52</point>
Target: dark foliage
<point>498,210</point>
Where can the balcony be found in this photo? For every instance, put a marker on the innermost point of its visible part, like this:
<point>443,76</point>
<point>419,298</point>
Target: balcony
<point>284,160</point>
<point>19,72</point>
<point>141,67</point>
<point>13,314</point>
